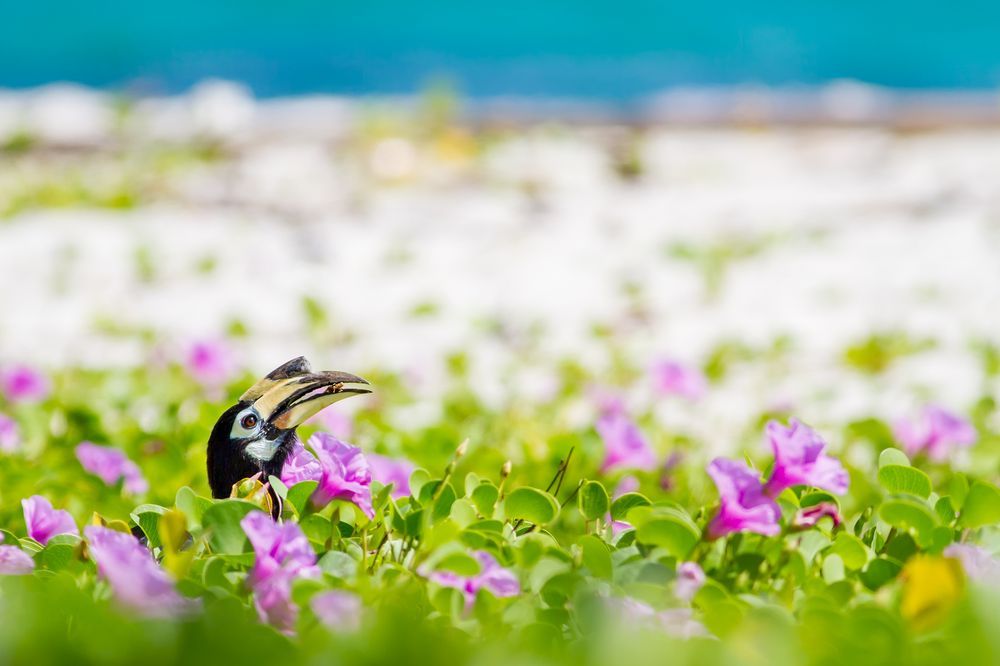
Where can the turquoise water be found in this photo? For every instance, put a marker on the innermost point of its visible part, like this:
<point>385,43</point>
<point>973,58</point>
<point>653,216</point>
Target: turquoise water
<point>600,50</point>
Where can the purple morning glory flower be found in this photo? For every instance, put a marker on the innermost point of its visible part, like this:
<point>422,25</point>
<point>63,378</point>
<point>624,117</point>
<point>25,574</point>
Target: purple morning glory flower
<point>44,522</point>
<point>136,579</point>
<point>281,554</point>
<point>493,577</point>
<point>799,460</point>
<point>210,362</point>
<point>300,465</point>
<point>338,610</point>
<point>10,437</point>
<point>809,516</point>
<point>690,578</point>
<point>14,561</point>
<point>624,445</point>
<point>937,432</point>
<point>21,383</point>
<point>111,465</point>
<point>743,505</point>
<point>978,563</point>
<point>387,470</point>
<point>674,378</point>
<point>345,473</point>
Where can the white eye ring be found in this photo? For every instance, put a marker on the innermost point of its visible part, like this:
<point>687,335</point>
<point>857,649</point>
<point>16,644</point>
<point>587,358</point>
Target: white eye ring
<point>246,424</point>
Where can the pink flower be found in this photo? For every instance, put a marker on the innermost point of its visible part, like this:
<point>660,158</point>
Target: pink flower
<point>281,554</point>
<point>111,465</point>
<point>387,470</point>
<point>978,563</point>
<point>300,465</point>
<point>14,561</point>
<point>10,437</point>
<point>21,383</point>
<point>799,460</point>
<point>690,578</point>
<point>743,505</point>
<point>809,516</point>
<point>210,362</point>
<point>44,522</point>
<point>624,445</point>
<point>345,473</point>
<point>493,577</point>
<point>937,432</point>
<point>676,622</point>
<point>334,422</point>
<point>674,378</point>
<point>136,579</point>
<point>337,610</point>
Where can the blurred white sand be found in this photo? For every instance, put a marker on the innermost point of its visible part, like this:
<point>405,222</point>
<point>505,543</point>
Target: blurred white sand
<point>852,232</point>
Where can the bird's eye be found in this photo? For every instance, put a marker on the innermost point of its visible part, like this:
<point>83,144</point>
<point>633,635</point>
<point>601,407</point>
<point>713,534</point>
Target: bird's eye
<point>249,421</point>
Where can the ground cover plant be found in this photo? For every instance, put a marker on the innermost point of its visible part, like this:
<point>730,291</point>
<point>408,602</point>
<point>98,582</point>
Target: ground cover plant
<point>489,536</point>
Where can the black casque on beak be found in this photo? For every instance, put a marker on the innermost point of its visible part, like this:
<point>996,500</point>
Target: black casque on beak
<point>257,434</point>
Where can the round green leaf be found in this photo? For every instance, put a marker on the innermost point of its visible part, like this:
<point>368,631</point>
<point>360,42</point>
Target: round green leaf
<point>485,496</point>
<point>621,506</point>
<point>879,571</point>
<point>222,519</point>
<point>981,506</point>
<point>833,568</point>
<point>892,457</point>
<point>669,532</point>
<point>530,504</point>
<point>851,549</point>
<point>596,556</point>
<point>899,479</point>
<point>906,514</point>
<point>593,500</point>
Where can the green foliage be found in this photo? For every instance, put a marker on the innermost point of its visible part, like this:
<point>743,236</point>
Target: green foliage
<point>574,551</point>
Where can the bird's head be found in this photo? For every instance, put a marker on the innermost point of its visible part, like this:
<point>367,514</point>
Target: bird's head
<point>257,432</point>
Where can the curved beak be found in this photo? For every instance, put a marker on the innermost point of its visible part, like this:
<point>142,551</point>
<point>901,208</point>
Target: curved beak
<point>287,402</point>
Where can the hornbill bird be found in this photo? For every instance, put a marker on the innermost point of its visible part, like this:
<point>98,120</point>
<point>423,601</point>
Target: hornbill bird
<point>257,433</point>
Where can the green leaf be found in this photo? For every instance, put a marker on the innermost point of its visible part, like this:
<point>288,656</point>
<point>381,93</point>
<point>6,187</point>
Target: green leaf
<point>958,489</point>
<point>906,514</point>
<point>851,549</point>
<point>625,503</point>
<point>892,457</point>
<point>418,478</point>
<point>677,536</point>
<point>593,500</point>
<point>530,504</point>
<point>463,512</point>
<point>339,564</point>
<point>810,544</point>
<point>879,571</point>
<point>280,489</point>
<point>900,479</point>
<point>485,496</point>
<point>458,562</point>
<point>833,568</point>
<point>222,519</point>
<point>147,517</point>
<point>298,495</point>
<point>596,556</point>
<point>192,504</point>
<point>56,556</point>
<point>981,506</point>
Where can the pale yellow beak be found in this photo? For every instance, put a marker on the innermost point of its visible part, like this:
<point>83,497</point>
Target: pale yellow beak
<point>292,393</point>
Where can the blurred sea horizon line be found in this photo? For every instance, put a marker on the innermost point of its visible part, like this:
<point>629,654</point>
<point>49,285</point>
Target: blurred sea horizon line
<point>841,102</point>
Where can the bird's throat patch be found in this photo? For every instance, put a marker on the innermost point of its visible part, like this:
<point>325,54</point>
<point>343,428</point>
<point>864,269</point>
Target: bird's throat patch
<point>262,449</point>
